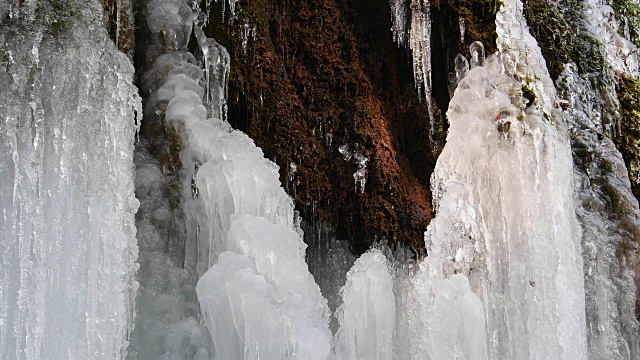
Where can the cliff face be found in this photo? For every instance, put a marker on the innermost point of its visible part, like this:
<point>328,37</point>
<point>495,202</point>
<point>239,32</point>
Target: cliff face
<point>309,78</point>
<point>313,77</point>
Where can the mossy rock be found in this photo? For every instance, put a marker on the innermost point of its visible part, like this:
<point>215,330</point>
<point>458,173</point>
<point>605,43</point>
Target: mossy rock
<point>560,40</point>
<point>628,15</point>
<point>627,139</point>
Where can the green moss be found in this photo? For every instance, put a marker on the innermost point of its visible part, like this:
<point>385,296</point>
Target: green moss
<point>528,94</point>
<point>628,137</point>
<point>560,41</point>
<point>58,16</point>
<point>628,15</point>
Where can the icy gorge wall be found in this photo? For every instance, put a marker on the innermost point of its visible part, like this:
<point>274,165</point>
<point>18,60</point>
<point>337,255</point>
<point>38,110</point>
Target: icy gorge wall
<point>429,180</point>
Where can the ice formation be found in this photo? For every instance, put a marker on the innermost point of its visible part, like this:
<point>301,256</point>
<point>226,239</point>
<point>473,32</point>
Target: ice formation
<point>591,113</point>
<point>240,235</point>
<point>67,234</point>
<point>243,209</point>
<point>219,243</point>
<point>416,29</point>
<point>399,11</point>
<point>360,176</point>
<point>367,314</point>
<point>612,330</point>
<point>621,54</point>
<point>512,232</point>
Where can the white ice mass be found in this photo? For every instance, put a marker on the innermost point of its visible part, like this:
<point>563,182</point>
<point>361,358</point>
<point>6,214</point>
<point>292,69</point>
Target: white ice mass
<point>67,234</point>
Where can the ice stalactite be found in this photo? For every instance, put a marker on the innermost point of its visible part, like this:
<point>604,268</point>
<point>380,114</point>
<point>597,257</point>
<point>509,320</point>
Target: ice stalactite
<point>411,26</point>
<point>420,45</point>
<point>216,62</point>
<point>67,236</point>
<point>399,9</point>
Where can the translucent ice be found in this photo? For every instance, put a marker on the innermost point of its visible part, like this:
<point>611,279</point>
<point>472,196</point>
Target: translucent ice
<point>502,225</point>
<point>67,234</point>
<point>255,290</point>
<point>367,314</point>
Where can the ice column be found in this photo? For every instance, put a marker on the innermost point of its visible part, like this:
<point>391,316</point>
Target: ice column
<point>367,314</point>
<point>526,211</point>
<point>506,221</point>
<point>67,234</point>
<point>256,293</point>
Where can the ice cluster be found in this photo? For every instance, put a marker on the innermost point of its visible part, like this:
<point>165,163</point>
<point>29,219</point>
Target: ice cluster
<point>360,176</point>
<point>255,290</point>
<point>67,234</point>
<point>411,22</point>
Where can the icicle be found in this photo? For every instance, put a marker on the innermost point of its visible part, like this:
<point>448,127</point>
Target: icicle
<point>67,234</point>
<point>477,53</point>
<point>461,65</point>
<point>399,11</point>
<point>360,175</point>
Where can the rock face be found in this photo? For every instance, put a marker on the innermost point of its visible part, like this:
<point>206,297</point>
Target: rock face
<point>311,78</point>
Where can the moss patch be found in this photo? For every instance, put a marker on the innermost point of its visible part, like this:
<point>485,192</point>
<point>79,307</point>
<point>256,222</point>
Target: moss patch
<point>119,21</point>
<point>628,15</point>
<point>321,74</point>
<point>628,137</point>
<point>561,42</point>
